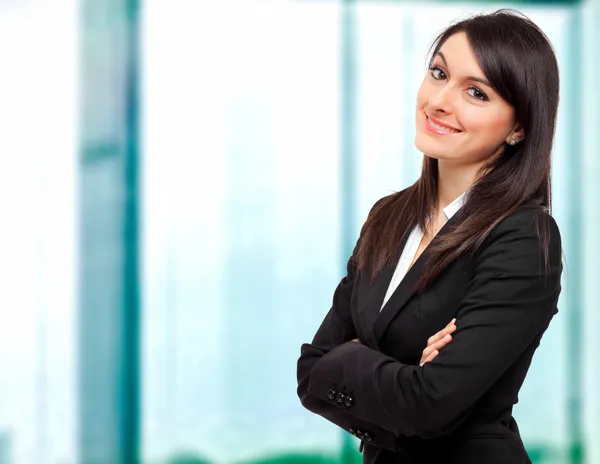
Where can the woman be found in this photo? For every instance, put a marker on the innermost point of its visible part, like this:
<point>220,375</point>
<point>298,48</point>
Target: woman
<point>469,249</point>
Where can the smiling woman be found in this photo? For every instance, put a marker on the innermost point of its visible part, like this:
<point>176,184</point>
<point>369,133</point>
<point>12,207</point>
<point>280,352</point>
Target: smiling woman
<point>455,279</point>
<point>455,99</point>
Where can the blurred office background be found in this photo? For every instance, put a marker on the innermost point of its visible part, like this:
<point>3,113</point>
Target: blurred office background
<point>181,185</point>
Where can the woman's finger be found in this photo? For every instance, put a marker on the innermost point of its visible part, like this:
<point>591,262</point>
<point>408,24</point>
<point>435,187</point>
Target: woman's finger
<point>437,345</point>
<point>430,357</point>
<point>448,329</point>
<point>442,333</point>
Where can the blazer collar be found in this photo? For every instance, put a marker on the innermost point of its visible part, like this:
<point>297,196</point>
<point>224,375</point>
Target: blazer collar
<point>457,204</point>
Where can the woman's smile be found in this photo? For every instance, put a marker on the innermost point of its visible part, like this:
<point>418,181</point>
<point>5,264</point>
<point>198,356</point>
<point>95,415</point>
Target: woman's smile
<point>435,126</point>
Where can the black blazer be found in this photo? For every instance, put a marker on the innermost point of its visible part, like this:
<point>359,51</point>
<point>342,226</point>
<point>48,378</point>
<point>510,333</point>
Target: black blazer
<point>456,409</point>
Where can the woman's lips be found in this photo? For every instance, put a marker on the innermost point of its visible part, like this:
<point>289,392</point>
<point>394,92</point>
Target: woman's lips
<point>437,128</point>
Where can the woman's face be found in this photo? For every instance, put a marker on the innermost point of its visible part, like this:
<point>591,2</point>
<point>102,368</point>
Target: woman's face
<point>459,115</point>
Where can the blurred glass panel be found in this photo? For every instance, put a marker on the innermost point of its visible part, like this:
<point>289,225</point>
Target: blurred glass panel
<point>242,227</point>
<point>38,149</point>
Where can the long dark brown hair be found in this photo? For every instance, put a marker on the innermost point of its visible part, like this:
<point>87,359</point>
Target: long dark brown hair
<point>518,60</point>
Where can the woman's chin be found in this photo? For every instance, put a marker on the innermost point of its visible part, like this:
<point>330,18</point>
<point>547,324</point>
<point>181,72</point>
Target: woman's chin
<point>431,151</point>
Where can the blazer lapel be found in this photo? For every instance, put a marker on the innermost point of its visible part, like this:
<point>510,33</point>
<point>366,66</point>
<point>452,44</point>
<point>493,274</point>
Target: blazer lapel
<point>370,297</point>
<point>407,287</point>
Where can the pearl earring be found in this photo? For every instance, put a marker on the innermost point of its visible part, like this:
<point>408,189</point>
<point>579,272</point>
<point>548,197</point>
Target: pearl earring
<point>512,142</point>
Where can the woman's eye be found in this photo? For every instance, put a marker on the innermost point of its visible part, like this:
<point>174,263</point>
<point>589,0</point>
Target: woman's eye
<point>477,93</point>
<point>437,73</point>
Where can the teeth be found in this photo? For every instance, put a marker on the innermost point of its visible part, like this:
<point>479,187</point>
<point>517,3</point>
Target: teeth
<point>442,128</point>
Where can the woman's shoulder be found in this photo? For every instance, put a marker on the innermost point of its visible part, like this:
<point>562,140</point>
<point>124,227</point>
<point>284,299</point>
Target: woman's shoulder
<point>531,221</point>
<point>527,217</point>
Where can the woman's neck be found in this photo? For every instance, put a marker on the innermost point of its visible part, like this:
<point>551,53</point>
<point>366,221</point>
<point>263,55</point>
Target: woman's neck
<point>454,180</point>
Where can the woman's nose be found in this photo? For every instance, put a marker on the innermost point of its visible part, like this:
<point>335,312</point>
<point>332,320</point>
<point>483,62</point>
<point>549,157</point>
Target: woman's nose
<point>441,100</point>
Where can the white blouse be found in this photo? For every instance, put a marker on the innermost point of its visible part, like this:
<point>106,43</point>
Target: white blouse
<point>411,247</point>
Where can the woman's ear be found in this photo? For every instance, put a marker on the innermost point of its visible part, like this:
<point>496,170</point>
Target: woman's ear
<point>516,135</point>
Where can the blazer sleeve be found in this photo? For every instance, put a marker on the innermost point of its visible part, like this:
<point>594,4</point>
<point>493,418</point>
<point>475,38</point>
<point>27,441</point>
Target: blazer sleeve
<point>335,329</point>
<point>509,302</point>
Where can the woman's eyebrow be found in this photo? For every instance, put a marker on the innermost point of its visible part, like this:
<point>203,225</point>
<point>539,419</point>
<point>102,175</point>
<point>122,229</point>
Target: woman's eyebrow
<point>470,78</point>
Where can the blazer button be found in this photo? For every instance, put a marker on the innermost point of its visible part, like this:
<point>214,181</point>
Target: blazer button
<point>340,398</point>
<point>352,432</point>
<point>359,435</point>
<point>331,394</point>
<point>349,401</point>
<point>367,437</point>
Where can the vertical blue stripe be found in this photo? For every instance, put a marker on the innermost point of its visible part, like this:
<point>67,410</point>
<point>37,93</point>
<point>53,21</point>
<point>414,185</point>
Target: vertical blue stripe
<point>348,156</point>
<point>574,239</point>
<point>109,373</point>
<point>130,407</point>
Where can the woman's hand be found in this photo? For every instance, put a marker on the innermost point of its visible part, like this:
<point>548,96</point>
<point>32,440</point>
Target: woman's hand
<point>435,343</point>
